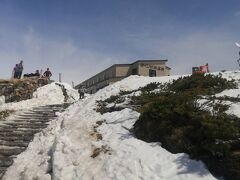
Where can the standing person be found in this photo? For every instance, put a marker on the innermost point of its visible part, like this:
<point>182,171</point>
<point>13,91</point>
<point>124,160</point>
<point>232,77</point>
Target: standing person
<point>81,92</point>
<point>205,68</point>
<point>15,71</point>
<point>47,73</point>
<point>20,69</point>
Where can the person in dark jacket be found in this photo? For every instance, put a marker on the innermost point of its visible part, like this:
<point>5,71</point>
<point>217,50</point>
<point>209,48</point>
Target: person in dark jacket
<point>81,93</point>
<point>36,74</point>
<point>47,73</point>
<point>20,69</point>
<point>15,71</point>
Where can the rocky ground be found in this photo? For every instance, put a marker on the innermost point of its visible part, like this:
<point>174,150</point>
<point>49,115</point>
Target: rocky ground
<point>16,90</point>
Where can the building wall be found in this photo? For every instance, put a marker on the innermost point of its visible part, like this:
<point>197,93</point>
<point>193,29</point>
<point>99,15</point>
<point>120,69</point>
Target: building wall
<point>161,69</point>
<point>133,67</point>
<point>102,84</point>
<point>100,80</point>
<point>102,76</point>
<point>118,72</point>
<point>122,71</point>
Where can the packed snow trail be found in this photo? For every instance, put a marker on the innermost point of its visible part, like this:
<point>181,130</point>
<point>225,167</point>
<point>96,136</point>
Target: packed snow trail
<point>83,144</point>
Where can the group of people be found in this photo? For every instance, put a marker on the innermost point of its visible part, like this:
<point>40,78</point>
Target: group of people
<point>18,69</point>
<point>39,74</point>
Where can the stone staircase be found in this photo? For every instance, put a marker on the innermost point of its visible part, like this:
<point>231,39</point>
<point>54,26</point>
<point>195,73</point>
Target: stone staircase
<point>15,135</point>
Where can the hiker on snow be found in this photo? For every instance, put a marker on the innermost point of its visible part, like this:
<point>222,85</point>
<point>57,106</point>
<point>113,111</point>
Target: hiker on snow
<point>81,93</point>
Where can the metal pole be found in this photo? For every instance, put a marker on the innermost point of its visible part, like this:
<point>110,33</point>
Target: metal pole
<point>239,60</point>
<point>60,77</point>
<point>238,45</point>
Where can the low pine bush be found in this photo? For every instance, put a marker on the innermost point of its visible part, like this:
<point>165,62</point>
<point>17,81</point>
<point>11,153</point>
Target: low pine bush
<point>202,84</point>
<point>176,119</point>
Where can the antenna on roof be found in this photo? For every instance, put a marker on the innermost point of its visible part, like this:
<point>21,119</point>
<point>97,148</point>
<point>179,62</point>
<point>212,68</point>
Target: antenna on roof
<point>238,45</point>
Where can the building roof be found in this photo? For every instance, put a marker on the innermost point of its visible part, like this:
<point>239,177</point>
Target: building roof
<point>155,60</point>
<point>168,67</point>
<point>151,60</point>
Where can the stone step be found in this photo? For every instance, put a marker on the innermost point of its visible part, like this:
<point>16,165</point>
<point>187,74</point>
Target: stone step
<point>17,138</point>
<point>39,113</point>
<point>33,123</point>
<point>12,151</point>
<point>6,162</point>
<point>13,143</point>
<point>20,130</point>
<point>38,116</point>
<point>56,105</point>
<point>9,134</point>
<point>28,126</point>
<point>33,118</point>
<point>15,135</point>
<point>46,108</point>
<point>52,112</point>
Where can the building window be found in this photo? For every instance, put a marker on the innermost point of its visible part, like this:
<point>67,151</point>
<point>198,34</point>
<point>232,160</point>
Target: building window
<point>134,71</point>
<point>152,73</point>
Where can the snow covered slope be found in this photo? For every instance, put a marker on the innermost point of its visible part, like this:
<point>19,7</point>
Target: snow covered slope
<point>83,144</point>
<point>45,95</point>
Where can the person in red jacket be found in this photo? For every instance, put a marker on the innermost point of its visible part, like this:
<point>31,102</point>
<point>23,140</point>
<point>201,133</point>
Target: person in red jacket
<point>204,69</point>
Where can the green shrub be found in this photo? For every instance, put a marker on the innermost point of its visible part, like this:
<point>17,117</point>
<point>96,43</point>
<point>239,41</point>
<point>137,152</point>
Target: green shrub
<point>115,99</point>
<point>111,99</point>
<point>174,118</point>
<point>150,87</point>
<point>122,93</point>
<point>206,85</point>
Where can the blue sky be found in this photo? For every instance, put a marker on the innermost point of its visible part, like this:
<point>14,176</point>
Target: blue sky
<point>82,37</point>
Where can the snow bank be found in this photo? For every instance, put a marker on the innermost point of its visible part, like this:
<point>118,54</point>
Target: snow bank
<point>46,95</point>
<point>129,84</point>
<point>75,147</point>
<point>230,92</point>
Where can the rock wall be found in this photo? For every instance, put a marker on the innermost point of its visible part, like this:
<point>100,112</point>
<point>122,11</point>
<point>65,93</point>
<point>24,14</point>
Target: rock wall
<point>15,90</point>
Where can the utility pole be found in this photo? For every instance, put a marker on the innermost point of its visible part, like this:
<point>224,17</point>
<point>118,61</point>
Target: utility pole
<point>238,45</point>
<point>60,77</point>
